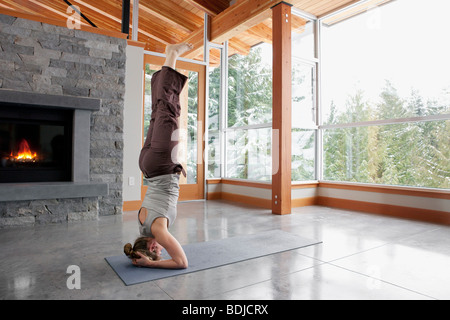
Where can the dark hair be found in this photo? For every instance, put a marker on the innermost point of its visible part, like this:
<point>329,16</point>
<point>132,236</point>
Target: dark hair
<point>140,245</point>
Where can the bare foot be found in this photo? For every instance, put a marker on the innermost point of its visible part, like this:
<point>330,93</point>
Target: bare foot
<point>178,48</point>
<point>173,51</point>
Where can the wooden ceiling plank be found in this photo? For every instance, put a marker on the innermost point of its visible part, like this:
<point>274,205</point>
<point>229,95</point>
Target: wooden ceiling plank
<point>165,34</point>
<point>173,14</point>
<point>100,8</point>
<point>54,13</point>
<point>23,6</point>
<point>261,32</point>
<point>108,17</point>
<point>240,46</point>
<point>323,7</point>
<point>358,9</point>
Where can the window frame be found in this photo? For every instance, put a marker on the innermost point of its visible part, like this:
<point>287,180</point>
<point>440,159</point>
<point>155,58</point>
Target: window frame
<point>315,63</point>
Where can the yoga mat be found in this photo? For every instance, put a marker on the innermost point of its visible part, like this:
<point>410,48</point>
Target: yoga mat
<point>211,254</point>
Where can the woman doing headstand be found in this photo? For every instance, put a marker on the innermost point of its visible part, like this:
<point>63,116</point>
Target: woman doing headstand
<point>156,161</point>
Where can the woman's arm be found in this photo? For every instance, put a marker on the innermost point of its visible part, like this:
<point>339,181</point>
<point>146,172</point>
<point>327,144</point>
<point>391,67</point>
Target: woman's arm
<point>163,237</point>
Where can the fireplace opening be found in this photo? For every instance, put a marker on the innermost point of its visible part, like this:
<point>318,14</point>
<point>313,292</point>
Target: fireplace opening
<point>35,144</point>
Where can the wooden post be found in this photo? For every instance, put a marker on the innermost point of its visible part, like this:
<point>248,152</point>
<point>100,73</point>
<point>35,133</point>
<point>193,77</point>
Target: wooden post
<point>281,114</point>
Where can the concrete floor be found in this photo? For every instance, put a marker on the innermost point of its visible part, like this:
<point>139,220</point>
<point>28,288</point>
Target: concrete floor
<point>362,256</point>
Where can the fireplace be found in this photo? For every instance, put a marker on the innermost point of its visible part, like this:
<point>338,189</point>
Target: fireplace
<point>45,147</point>
<point>35,144</point>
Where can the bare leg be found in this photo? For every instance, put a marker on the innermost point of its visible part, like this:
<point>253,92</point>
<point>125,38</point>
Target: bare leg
<point>173,51</point>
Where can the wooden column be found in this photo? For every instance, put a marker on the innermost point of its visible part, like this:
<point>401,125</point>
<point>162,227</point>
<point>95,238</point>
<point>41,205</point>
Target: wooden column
<point>281,114</point>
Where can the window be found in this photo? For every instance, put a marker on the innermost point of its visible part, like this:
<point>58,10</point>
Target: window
<point>385,97</point>
<point>248,127</point>
<point>214,116</point>
<point>385,48</point>
<point>248,131</point>
<point>304,119</point>
<point>410,154</point>
<point>249,154</point>
<point>250,87</point>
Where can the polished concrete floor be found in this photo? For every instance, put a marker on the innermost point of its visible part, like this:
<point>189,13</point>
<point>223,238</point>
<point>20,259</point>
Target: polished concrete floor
<point>362,256</point>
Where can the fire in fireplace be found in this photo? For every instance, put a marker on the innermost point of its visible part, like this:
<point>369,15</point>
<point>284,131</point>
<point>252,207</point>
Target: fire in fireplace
<point>35,144</point>
<point>24,154</point>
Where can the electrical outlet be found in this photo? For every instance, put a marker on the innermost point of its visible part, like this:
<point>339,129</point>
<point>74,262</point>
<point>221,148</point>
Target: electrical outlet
<point>131,181</point>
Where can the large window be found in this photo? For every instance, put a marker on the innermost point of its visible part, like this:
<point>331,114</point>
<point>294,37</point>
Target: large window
<point>370,104</point>
<point>385,91</point>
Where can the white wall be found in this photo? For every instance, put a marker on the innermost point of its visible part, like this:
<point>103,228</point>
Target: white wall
<point>303,193</point>
<point>386,198</point>
<point>247,191</point>
<point>132,126</point>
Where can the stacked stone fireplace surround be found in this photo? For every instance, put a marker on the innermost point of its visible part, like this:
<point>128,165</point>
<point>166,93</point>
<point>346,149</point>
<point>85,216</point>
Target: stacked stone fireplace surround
<point>48,59</point>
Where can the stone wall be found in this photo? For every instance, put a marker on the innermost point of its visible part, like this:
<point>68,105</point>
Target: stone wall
<point>43,58</point>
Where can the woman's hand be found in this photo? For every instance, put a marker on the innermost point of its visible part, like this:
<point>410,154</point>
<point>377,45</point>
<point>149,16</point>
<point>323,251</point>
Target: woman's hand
<point>143,261</point>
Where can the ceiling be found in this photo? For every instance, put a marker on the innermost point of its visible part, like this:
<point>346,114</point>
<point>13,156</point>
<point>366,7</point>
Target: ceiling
<point>161,22</point>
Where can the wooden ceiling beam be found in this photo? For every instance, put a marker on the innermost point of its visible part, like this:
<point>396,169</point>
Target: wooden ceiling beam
<point>231,22</point>
<point>240,17</point>
<point>234,20</point>
<point>212,8</point>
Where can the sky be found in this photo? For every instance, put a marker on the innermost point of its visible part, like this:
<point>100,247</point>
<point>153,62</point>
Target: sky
<point>406,42</point>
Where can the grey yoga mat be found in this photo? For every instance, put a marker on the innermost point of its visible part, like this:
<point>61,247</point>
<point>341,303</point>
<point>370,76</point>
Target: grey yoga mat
<point>211,254</point>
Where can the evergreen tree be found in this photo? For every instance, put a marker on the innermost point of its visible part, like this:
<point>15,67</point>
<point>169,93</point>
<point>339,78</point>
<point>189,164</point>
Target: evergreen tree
<point>333,149</point>
<point>346,150</point>
<point>213,123</point>
<point>303,161</point>
<point>249,90</point>
<point>391,106</point>
<point>432,152</point>
<point>392,139</point>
